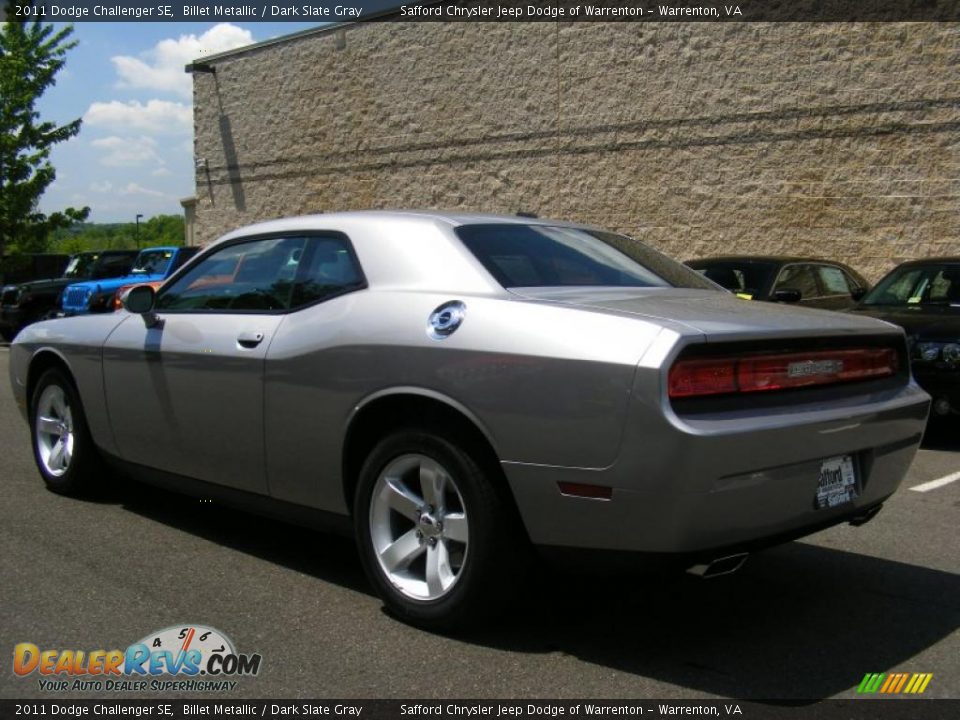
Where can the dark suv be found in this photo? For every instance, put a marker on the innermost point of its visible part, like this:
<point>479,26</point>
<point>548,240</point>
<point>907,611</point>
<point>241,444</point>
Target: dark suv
<point>16,269</point>
<point>28,302</point>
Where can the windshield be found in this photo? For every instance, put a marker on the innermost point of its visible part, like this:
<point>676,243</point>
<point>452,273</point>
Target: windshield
<point>744,278</point>
<point>544,256</point>
<point>81,266</point>
<point>916,286</point>
<point>152,262</point>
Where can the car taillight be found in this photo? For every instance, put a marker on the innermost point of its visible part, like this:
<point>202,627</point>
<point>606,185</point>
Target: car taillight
<point>753,373</point>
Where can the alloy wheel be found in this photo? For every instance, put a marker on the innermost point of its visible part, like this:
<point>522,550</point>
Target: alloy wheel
<point>419,527</point>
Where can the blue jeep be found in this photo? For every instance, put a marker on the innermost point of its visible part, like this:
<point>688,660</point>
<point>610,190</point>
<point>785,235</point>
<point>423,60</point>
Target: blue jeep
<point>151,265</point>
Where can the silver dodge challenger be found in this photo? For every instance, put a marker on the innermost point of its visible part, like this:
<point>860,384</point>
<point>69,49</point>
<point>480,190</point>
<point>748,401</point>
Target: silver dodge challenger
<point>465,393</point>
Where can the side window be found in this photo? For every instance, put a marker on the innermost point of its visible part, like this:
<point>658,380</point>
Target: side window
<point>834,280</point>
<point>266,274</point>
<point>328,268</point>
<point>942,288</point>
<point>799,277</point>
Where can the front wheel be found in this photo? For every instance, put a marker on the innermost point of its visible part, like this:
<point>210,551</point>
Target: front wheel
<point>62,447</point>
<point>437,538</point>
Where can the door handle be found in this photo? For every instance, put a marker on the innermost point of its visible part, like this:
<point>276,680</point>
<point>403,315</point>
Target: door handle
<point>250,339</point>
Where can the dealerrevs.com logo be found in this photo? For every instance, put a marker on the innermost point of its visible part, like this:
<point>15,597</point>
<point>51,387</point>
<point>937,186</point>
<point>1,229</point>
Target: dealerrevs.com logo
<point>187,657</point>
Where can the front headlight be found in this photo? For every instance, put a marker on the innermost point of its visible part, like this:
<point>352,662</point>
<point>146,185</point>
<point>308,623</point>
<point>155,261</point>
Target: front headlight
<point>928,351</point>
<point>947,353</point>
<point>951,353</point>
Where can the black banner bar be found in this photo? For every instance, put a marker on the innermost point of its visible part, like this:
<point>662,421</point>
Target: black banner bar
<point>324,11</point>
<point>866,708</point>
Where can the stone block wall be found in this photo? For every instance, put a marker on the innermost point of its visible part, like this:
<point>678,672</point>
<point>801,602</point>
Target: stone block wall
<point>839,140</point>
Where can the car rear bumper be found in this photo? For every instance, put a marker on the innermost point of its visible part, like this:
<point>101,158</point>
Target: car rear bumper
<point>690,485</point>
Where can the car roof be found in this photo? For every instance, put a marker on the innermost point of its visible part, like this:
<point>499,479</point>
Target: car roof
<point>781,259</point>
<point>453,219</point>
<point>941,260</point>
<point>108,252</point>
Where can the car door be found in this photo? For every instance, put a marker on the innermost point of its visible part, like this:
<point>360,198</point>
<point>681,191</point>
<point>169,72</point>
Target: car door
<point>185,395</point>
<point>316,369</point>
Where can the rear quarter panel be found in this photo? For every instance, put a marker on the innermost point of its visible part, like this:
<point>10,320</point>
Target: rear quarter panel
<point>547,385</point>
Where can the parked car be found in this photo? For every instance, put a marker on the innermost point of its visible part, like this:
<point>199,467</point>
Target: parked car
<point>17,269</point>
<point>151,264</point>
<point>28,302</point>
<point>455,389</point>
<point>807,281</point>
<point>923,297</point>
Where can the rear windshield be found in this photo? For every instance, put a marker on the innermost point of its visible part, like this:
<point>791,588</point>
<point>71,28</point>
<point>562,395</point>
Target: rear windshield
<point>547,256</point>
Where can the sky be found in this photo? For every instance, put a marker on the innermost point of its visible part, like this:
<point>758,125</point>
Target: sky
<point>134,152</point>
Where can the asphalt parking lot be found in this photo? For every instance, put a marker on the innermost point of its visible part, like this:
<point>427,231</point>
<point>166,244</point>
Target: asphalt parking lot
<point>804,621</point>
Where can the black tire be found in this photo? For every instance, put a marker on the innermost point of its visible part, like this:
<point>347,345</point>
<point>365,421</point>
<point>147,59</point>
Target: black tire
<point>496,550</point>
<point>83,472</point>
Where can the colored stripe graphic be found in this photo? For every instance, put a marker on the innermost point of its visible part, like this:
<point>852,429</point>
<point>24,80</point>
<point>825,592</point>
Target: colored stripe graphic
<point>894,683</point>
<point>871,682</point>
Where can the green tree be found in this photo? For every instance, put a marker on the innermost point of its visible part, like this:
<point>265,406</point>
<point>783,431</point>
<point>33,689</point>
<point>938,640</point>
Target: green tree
<point>31,55</point>
<point>158,230</point>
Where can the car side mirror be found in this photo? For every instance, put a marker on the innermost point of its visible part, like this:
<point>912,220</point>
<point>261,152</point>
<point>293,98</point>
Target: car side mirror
<point>139,300</point>
<point>786,295</point>
<point>858,293</point>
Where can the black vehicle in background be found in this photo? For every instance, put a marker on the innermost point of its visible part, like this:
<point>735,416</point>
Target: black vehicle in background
<point>28,302</point>
<point>806,281</point>
<point>16,269</point>
<point>923,297</point>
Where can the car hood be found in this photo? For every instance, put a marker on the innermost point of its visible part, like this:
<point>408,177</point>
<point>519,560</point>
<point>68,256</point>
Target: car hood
<point>924,323</point>
<point>47,285</point>
<point>711,312</point>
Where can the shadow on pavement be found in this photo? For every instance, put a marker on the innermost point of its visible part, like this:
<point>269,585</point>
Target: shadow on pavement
<point>799,622</point>
<point>942,434</point>
<point>278,542</point>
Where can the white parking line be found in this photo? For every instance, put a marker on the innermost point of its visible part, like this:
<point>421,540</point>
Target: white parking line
<point>939,482</point>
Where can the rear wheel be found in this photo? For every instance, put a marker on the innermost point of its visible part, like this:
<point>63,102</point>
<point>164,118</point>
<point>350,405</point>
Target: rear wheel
<point>438,540</point>
<point>62,447</point>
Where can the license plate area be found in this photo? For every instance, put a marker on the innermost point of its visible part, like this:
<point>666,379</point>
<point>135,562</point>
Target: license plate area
<point>838,483</point>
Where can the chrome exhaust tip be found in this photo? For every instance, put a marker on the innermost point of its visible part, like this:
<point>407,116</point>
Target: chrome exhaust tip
<point>720,566</point>
<point>867,516</point>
